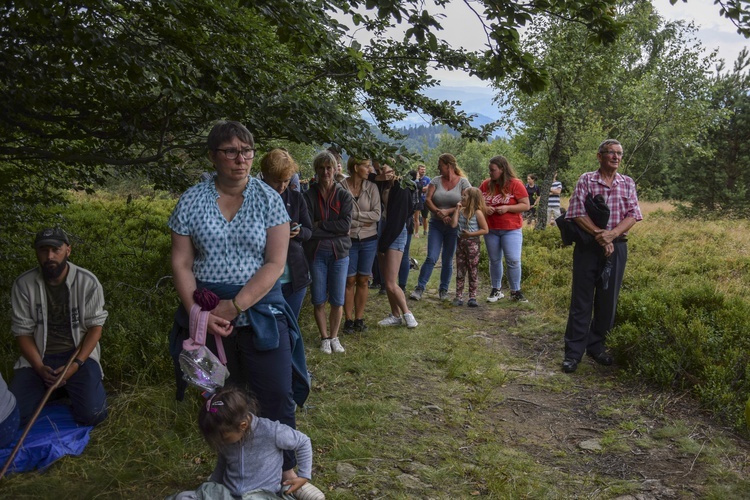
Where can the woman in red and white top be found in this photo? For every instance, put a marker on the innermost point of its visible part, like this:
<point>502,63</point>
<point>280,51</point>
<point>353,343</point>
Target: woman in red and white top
<point>506,200</point>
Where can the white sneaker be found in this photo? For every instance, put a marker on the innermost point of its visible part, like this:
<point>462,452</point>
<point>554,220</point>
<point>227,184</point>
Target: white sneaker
<point>325,346</point>
<point>390,320</point>
<point>336,345</point>
<point>410,321</point>
<point>495,295</point>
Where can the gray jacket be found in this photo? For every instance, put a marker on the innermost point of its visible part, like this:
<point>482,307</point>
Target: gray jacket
<point>29,303</point>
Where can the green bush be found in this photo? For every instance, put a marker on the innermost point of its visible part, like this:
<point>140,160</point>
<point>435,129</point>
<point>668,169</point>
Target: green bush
<point>126,244</point>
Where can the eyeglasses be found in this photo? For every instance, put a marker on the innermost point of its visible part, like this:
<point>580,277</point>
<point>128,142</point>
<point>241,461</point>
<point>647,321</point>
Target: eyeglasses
<point>613,153</point>
<point>233,153</point>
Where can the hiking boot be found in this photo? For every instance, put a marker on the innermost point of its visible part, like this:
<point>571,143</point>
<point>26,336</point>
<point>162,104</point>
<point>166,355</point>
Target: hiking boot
<point>495,295</point>
<point>390,320</point>
<point>443,294</point>
<point>359,325</point>
<point>325,346</point>
<point>410,321</point>
<point>517,296</point>
<point>458,302</point>
<point>472,303</point>
<point>417,294</point>
<point>336,345</point>
<point>348,326</point>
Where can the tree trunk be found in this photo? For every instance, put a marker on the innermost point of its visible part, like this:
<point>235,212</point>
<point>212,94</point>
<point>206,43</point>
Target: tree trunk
<point>553,163</point>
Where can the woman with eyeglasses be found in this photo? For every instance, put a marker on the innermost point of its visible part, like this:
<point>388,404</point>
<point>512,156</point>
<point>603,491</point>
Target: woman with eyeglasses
<point>230,235</point>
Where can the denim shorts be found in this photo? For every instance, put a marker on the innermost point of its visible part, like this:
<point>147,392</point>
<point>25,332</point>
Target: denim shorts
<point>361,257</point>
<point>328,278</point>
<point>399,243</point>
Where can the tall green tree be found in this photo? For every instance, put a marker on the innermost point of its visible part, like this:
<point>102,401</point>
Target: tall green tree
<point>647,89</point>
<point>716,177</point>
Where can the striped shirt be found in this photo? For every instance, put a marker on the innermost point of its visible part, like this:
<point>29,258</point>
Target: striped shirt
<point>554,199</point>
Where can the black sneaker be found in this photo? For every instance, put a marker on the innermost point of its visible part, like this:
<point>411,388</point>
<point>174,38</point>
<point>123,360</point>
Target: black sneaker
<point>359,325</point>
<point>518,296</point>
<point>348,326</point>
<point>473,303</point>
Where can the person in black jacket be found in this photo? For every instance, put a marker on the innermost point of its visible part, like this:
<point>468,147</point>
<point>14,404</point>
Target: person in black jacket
<point>392,230</point>
<point>277,168</point>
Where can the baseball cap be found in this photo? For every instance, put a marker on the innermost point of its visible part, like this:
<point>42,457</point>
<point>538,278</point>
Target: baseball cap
<point>52,236</point>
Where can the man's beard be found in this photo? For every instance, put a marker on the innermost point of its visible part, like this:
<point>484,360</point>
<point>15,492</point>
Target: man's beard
<point>51,270</point>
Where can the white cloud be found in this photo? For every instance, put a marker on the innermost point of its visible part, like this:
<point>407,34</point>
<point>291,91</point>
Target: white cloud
<point>715,31</point>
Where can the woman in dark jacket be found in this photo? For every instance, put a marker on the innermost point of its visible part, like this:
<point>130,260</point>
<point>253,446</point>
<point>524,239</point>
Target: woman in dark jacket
<point>277,169</point>
<point>392,243</point>
<point>327,250</point>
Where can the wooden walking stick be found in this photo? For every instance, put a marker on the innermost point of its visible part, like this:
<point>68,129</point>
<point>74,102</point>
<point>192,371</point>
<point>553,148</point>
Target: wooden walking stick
<point>38,411</point>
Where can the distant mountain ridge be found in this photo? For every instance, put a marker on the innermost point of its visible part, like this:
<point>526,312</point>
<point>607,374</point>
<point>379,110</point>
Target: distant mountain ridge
<point>474,101</point>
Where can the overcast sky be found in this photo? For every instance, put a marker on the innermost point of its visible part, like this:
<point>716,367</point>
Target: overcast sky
<point>463,29</point>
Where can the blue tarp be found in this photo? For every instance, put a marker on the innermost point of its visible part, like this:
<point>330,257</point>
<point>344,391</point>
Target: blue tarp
<point>54,435</point>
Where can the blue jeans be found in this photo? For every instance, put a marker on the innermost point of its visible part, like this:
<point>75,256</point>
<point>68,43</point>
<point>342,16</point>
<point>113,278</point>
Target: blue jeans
<point>328,278</point>
<point>361,257</point>
<point>294,299</point>
<point>505,242</point>
<point>403,271</point>
<point>400,242</point>
<point>88,401</point>
<point>441,237</point>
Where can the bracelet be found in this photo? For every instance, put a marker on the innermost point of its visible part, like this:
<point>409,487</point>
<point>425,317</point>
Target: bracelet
<point>78,362</point>
<point>236,306</point>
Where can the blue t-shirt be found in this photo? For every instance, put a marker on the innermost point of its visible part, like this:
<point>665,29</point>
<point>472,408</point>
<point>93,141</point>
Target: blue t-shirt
<point>228,252</point>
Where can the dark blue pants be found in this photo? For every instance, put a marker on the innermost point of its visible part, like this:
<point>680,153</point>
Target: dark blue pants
<point>294,299</point>
<point>592,309</point>
<point>85,390</point>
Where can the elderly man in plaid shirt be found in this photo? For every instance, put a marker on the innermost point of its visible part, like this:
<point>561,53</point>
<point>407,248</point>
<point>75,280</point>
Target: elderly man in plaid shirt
<point>586,332</point>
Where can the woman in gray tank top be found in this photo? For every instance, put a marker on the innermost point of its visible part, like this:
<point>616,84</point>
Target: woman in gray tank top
<point>443,194</point>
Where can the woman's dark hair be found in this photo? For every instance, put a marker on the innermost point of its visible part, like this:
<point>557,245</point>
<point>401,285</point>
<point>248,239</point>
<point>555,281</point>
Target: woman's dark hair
<point>224,412</point>
<point>225,131</point>
<point>500,186</point>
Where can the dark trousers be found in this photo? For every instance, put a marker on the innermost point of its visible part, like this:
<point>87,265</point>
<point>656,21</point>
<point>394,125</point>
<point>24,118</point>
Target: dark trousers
<point>585,332</point>
<point>85,390</point>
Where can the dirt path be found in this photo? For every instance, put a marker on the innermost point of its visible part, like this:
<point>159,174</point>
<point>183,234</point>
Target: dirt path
<point>595,423</point>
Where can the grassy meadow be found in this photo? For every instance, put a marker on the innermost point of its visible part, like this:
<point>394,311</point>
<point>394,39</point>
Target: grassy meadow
<point>471,403</point>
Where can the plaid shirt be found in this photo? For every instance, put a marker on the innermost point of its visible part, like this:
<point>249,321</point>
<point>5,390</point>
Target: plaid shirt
<point>621,197</point>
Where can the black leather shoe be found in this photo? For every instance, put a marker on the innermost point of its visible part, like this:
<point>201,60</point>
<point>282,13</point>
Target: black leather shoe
<point>569,365</point>
<point>603,358</point>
